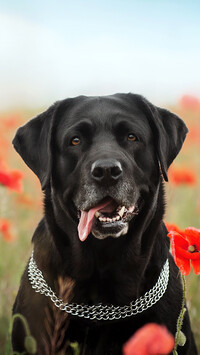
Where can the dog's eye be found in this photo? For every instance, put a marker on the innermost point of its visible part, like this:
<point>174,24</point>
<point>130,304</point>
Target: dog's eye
<point>75,141</point>
<point>132,137</point>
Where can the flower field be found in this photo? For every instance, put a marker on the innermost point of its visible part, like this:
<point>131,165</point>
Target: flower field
<point>21,207</point>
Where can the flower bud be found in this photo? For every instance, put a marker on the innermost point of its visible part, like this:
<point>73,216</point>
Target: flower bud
<point>181,339</point>
<point>30,344</point>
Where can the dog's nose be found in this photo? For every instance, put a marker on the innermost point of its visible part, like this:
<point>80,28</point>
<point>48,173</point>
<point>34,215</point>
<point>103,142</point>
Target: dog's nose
<point>106,171</point>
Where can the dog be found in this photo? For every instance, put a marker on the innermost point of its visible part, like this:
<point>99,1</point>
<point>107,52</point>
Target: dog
<point>102,162</point>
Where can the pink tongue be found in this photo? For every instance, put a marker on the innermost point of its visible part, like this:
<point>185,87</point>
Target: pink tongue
<point>87,218</point>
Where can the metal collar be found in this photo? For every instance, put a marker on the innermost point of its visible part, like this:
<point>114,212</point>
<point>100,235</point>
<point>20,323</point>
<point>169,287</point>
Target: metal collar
<point>100,311</point>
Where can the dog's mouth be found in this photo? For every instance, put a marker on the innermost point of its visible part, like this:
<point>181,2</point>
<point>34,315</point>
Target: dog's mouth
<point>107,218</point>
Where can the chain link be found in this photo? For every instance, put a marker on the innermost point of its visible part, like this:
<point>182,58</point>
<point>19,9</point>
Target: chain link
<point>100,311</point>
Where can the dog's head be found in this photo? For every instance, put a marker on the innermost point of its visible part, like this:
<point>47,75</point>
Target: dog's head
<point>102,157</point>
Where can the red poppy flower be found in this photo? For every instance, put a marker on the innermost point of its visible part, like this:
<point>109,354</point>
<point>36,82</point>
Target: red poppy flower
<point>11,121</point>
<point>186,249</point>
<point>189,102</point>
<point>11,179</point>
<point>151,339</point>
<point>178,176</point>
<point>173,227</point>
<point>5,230</point>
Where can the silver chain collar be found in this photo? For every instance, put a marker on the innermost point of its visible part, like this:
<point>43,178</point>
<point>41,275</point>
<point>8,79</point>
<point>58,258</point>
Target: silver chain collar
<point>100,311</point>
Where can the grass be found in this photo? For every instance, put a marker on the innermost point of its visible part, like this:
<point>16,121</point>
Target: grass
<point>25,210</point>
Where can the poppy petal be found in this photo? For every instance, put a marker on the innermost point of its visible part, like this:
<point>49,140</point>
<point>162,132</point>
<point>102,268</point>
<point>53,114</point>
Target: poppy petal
<point>183,253</point>
<point>150,339</point>
<point>193,236</point>
<point>178,239</point>
<point>172,227</point>
<point>183,265</point>
<point>181,261</point>
<point>196,266</point>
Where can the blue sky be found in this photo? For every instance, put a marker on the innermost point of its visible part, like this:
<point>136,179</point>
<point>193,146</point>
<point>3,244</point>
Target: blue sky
<point>55,49</point>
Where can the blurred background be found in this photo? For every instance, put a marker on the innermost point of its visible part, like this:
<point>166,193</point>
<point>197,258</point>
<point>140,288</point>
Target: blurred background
<point>51,50</point>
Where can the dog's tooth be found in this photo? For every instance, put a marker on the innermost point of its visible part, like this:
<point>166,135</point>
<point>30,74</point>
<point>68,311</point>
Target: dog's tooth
<point>97,214</point>
<point>131,209</point>
<point>101,218</point>
<point>121,212</point>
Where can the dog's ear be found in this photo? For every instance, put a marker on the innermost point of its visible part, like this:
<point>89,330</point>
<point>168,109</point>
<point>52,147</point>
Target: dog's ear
<point>172,132</point>
<point>169,133</point>
<point>32,142</point>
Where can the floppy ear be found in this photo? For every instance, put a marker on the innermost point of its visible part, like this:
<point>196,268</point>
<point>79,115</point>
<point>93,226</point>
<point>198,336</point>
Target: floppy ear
<point>169,133</point>
<point>172,132</point>
<point>32,142</point>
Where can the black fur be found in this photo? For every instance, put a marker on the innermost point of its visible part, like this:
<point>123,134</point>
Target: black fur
<point>111,270</point>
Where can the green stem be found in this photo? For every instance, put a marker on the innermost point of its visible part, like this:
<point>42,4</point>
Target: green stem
<point>24,321</point>
<point>181,316</point>
<point>27,331</point>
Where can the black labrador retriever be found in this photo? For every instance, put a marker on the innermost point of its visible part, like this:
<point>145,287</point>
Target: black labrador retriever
<point>101,266</point>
